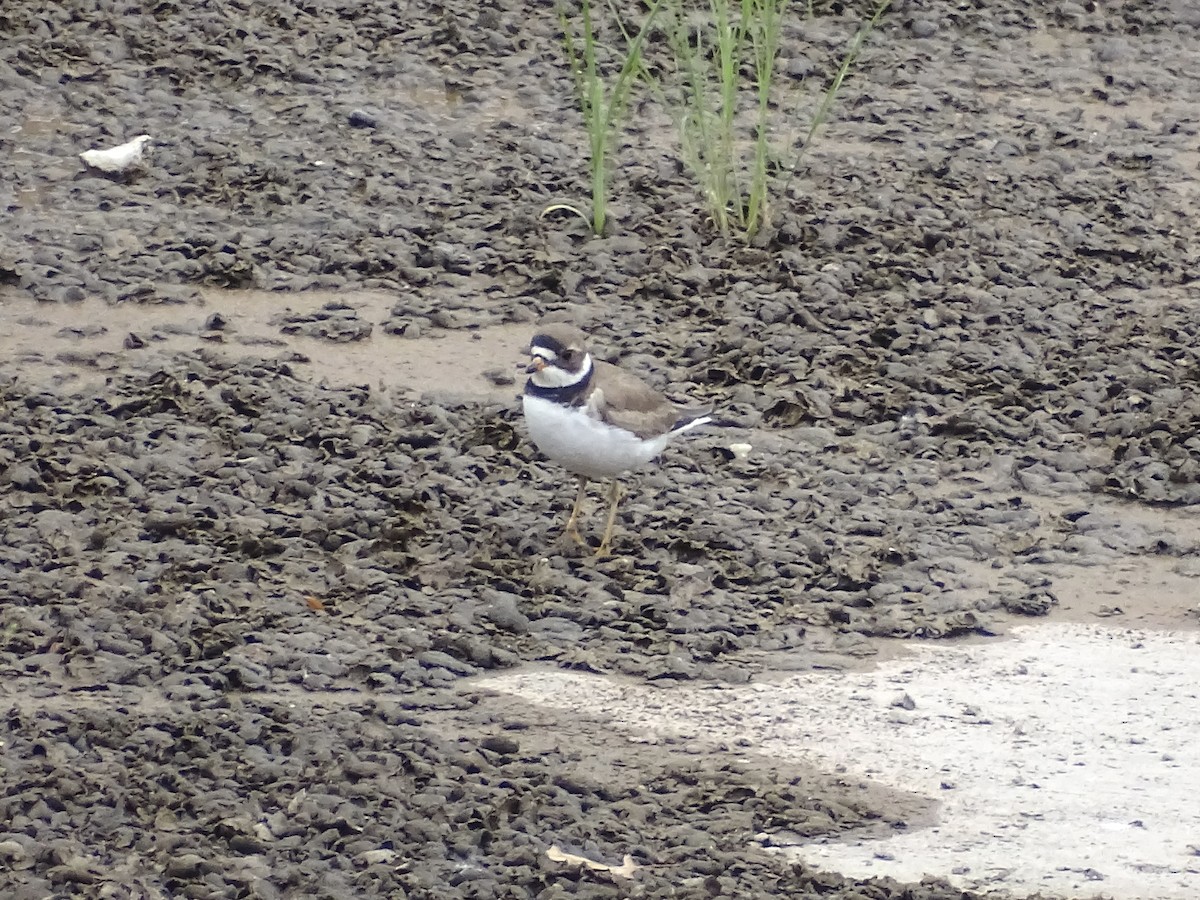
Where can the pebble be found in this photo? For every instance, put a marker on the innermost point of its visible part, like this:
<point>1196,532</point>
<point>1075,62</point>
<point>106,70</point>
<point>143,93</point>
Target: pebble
<point>923,28</point>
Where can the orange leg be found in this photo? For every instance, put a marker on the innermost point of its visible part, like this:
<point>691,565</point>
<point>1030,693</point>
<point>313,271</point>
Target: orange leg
<point>614,497</point>
<point>572,522</point>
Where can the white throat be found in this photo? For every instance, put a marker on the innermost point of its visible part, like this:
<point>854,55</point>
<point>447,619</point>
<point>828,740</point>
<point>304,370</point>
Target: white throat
<point>551,376</point>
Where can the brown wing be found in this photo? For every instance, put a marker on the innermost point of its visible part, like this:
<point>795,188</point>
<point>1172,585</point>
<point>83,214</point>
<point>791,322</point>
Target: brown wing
<point>626,401</point>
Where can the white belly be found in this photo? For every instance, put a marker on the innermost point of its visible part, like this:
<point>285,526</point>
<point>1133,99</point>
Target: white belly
<point>584,445</point>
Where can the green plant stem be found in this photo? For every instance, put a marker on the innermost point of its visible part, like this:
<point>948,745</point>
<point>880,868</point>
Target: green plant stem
<point>710,57</point>
<point>823,111</point>
<point>768,16</point>
<point>602,108</point>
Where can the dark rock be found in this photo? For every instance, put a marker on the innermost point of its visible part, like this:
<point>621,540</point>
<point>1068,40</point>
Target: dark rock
<point>502,744</point>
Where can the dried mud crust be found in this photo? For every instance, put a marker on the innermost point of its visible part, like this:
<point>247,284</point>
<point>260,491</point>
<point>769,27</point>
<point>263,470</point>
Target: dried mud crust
<point>240,608</point>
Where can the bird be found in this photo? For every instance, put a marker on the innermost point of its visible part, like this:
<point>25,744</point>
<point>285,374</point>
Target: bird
<point>595,419</point>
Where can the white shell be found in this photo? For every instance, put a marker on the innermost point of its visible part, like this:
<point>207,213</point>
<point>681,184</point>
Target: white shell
<point>740,451</point>
<point>117,160</point>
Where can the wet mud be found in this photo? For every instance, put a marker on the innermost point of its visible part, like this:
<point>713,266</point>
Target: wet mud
<point>267,504</point>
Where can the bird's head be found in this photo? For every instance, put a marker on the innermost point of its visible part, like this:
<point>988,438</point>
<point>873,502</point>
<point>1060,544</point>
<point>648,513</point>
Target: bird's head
<point>558,357</point>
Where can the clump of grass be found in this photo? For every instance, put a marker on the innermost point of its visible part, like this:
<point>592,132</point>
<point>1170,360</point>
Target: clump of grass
<point>712,44</point>
<point>725,129</point>
<point>602,98</point>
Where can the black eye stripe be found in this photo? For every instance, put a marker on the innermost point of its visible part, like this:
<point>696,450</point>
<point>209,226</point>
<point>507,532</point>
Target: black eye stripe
<point>550,349</point>
<point>563,350</point>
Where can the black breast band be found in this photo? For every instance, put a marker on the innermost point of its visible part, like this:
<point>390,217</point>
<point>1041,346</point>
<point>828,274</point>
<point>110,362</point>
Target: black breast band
<point>568,395</point>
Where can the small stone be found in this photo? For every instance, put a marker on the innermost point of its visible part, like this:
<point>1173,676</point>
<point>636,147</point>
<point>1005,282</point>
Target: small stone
<point>25,478</point>
<point>500,377</point>
<point>436,659</point>
<point>798,66</point>
<point>501,744</point>
<point>186,865</point>
<point>923,28</point>
<point>504,614</point>
<point>12,852</point>
<point>374,857</point>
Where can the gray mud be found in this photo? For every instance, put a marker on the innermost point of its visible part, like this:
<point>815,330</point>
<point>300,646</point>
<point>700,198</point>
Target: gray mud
<point>267,501</point>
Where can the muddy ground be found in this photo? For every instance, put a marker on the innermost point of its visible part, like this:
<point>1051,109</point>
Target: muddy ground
<point>267,500</point>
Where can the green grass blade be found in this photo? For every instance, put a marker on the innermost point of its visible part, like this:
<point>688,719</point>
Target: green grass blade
<point>822,114</point>
<point>601,105</point>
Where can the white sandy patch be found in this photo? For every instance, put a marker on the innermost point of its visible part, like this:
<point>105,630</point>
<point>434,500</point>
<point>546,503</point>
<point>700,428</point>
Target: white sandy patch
<point>1067,760</point>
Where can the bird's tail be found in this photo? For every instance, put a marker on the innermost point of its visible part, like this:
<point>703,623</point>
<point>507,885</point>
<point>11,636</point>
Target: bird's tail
<point>691,418</point>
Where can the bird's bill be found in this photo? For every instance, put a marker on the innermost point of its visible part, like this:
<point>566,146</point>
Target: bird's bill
<point>535,365</point>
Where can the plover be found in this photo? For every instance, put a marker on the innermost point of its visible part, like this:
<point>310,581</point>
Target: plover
<point>594,419</point>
